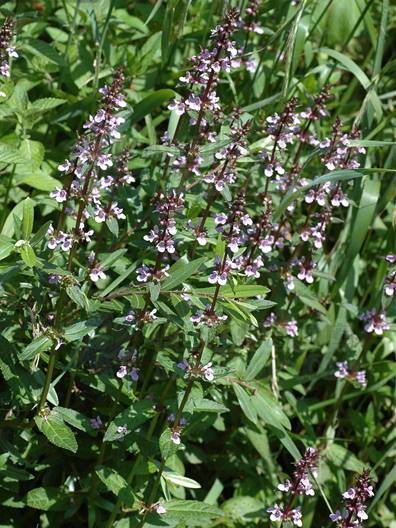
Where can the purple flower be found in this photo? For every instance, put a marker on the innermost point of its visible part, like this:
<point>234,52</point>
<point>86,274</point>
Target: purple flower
<point>159,508</point>
<point>208,372</point>
<point>130,317</point>
<point>276,513</point>
<point>96,423</point>
<point>60,195</point>
<point>122,372</point>
<point>135,374</point>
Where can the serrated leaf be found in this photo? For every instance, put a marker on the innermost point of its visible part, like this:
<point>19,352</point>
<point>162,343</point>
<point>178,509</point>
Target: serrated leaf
<point>167,447</point>
<point>79,330</point>
<point>192,513</point>
<point>74,418</point>
<point>45,104</point>
<point>57,432</point>
<point>259,359</point>
<point>136,414</point>
<point>77,296</point>
<point>115,483</point>
<point>48,498</point>
<point>206,405</point>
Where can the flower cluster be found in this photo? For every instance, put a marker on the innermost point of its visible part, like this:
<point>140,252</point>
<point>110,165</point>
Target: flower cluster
<point>344,371</point>
<point>6,50</point>
<point>176,428</point>
<point>290,326</point>
<point>355,498</point>
<point>375,321</point>
<point>204,74</point>
<point>208,317</point>
<point>128,362</point>
<point>82,196</point>
<point>298,485</point>
<point>197,370</point>
<point>390,279</point>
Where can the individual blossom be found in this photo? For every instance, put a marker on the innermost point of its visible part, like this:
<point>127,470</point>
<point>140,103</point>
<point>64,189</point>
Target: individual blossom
<point>96,271</point>
<point>390,284</point>
<point>197,370</point>
<point>290,326</point>
<point>208,317</point>
<point>345,372</point>
<point>122,431</point>
<point>353,514</point>
<point>375,321</point>
<point>151,274</point>
<point>96,423</point>
<point>157,507</point>
<point>176,428</point>
<point>130,317</point>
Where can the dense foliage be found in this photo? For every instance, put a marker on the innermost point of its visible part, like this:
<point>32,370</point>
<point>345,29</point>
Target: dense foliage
<point>197,263</point>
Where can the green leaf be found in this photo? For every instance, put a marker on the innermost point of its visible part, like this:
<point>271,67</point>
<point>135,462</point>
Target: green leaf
<point>181,271</point>
<point>77,296</point>
<point>74,418</point>
<point>206,405</point>
<point>27,218</point>
<point>115,483</point>
<point>385,485</point>
<point>167,447</point>
<point>259,360</point>
<point>239,291</point>
<point>81,329</point>
<point>357,72</point>
<point>28,255</point>
<point>10,154</point>
<point>150,103</point>
<point>154,289</point>
<point>361,222</point>
<point>57,432</point>
<point>243,508</point>
<point>245,402</point>
<point>43,50</point>
<point>341,457</point>
<point>138,413</point>
<point>45,104</point>
<point>192,513</point>
<point>6,246</point>
<point>39,180</point>
<point>180,480</point>
<point>38,345</point>
<point>48,498</point>
<point>113,226</point>
<point>268,408</point>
